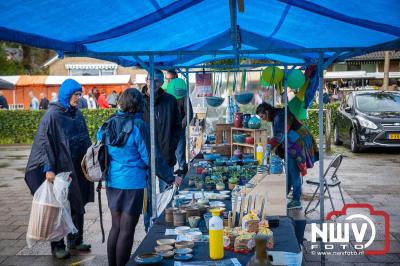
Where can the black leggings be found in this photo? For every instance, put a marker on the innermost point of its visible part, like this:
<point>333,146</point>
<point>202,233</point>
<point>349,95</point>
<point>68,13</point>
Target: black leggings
<point>120,239</point>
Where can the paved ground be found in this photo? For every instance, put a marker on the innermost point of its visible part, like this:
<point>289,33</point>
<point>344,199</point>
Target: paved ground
<point>372,177</point>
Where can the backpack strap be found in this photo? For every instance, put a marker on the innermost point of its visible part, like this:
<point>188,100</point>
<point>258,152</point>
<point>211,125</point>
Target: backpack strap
<point>98,189</point>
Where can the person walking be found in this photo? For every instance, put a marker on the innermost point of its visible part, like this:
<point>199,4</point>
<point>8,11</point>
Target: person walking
<point>302,148</point>
<point>34,104</point>
<point>61,141</point>
<point>44,102</point>
<point>127,139</point>
<point>112,99</point>
<point>91,100</point>
<point>102,101</point>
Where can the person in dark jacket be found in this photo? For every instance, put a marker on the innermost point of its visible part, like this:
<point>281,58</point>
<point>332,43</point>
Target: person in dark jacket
<point>127,139</point>
<point>182,107</point>
<point>44,102</point>
<point>3,101</point>
<point>167,119</point>
<point>60,143</point>
<point>82,103</point>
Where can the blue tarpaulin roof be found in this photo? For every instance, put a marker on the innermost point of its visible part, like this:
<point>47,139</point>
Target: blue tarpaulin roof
<point>291,31</point>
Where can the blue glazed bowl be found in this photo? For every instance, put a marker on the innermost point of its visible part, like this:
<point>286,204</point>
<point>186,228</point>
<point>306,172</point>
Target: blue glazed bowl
<point>214,101</point>
<point>239,138</point>
<point>244,98</point>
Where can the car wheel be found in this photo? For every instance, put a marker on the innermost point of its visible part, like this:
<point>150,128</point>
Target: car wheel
<point>354,147</point>
<point>336,139</point>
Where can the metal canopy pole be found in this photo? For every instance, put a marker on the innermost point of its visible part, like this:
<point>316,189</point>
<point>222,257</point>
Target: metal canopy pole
<point>234,30</point>
<point>152,140</point>
<point>321,136</point>
<point>286,126</point>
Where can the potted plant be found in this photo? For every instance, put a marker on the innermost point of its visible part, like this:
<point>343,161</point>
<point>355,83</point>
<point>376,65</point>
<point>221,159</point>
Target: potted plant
<point>220,185</point>
<point>199,183</point>
<point>209,184</point>
<point>192,181</point>
<point>233,181</point>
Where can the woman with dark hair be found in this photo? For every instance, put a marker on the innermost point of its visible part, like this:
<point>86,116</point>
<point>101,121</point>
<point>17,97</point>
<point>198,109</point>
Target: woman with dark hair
<point>126,137</point>
<point>302,149</point>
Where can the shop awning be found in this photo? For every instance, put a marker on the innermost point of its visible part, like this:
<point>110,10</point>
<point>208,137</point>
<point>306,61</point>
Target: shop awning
<point>189,32</point>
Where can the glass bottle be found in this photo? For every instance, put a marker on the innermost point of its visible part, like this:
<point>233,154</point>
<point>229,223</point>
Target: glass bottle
<point>261,257</point>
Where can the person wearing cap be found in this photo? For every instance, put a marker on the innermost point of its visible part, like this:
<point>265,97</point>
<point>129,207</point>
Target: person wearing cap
<point>61,141</point>
<point>180,152</point>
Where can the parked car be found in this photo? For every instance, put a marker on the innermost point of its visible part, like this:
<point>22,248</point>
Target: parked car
<point>368,119</point>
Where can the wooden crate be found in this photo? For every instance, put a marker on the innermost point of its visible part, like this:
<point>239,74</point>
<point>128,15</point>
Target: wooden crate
<point>220,131</point>
<point>223,149</point>
<point>259,135</point>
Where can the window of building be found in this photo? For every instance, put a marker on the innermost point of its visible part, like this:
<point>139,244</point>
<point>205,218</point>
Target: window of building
<point>340,67</point>
<point>369,68</point>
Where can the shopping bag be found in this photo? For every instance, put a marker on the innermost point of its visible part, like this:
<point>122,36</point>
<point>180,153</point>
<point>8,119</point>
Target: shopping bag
<point>164,198</point>
<point>50,218</point>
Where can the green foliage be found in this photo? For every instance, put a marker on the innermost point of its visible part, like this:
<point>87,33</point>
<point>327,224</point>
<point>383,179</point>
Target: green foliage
<point>9,67</point>
<point>312,121</point>
<point>20,126</point>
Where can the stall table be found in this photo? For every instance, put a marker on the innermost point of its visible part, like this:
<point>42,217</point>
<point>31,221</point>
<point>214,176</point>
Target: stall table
<point>286,245</point>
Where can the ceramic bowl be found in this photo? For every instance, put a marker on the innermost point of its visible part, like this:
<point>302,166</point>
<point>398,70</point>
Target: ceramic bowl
<point>166,241</point>
<point>166,254</point>
<point>149,258</point>
<point>183,256</point>
<point>184,244</point>
<point>183,251</point>
<point>194,221</point>
<point>163,248</point>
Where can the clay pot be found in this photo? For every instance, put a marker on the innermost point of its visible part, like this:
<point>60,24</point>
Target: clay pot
<point>220,186</point>
<point>179,218</point>
<point>238,120</point>
<point>245,120</point>
<point>192,211</point>
<point>249,140</point>
<point>231,186</point>
<point>238,153</point>
<point>169,214</point>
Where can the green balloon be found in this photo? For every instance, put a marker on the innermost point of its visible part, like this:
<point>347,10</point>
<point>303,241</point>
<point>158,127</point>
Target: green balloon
<point>296,107</point>
<point>296,79</point>
<point>263,83</point>
<point>272,75</point>
<point>177,87</point>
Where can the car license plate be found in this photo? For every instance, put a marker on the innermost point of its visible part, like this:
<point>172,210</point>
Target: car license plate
<point>394,135</point>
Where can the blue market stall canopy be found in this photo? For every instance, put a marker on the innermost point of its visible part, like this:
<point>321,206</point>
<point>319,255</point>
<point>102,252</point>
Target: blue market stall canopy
<point>190,32</point>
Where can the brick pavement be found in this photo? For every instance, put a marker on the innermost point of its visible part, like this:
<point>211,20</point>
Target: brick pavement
<point>367,177</point>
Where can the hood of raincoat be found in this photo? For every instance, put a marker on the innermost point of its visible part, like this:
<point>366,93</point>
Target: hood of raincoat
<point>67,88</point>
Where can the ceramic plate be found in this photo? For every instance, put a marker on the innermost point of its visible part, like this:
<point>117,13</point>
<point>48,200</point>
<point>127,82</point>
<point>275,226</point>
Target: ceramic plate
<point>166,241</point>
<point>183,256</point>
<point>216,204</point>
<point>148,259</point>
<point>183,251</point>
<point>182,229</point>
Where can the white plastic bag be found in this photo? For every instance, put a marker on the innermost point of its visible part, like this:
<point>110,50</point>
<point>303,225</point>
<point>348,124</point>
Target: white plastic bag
<point>164,198</point>
<point>50,218</point>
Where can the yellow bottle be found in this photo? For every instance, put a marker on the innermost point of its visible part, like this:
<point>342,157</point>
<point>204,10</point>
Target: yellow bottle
<point>216,232</point>
<point>259,153</point>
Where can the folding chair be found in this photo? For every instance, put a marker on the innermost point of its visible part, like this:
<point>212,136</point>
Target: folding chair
<point>330,180</point>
